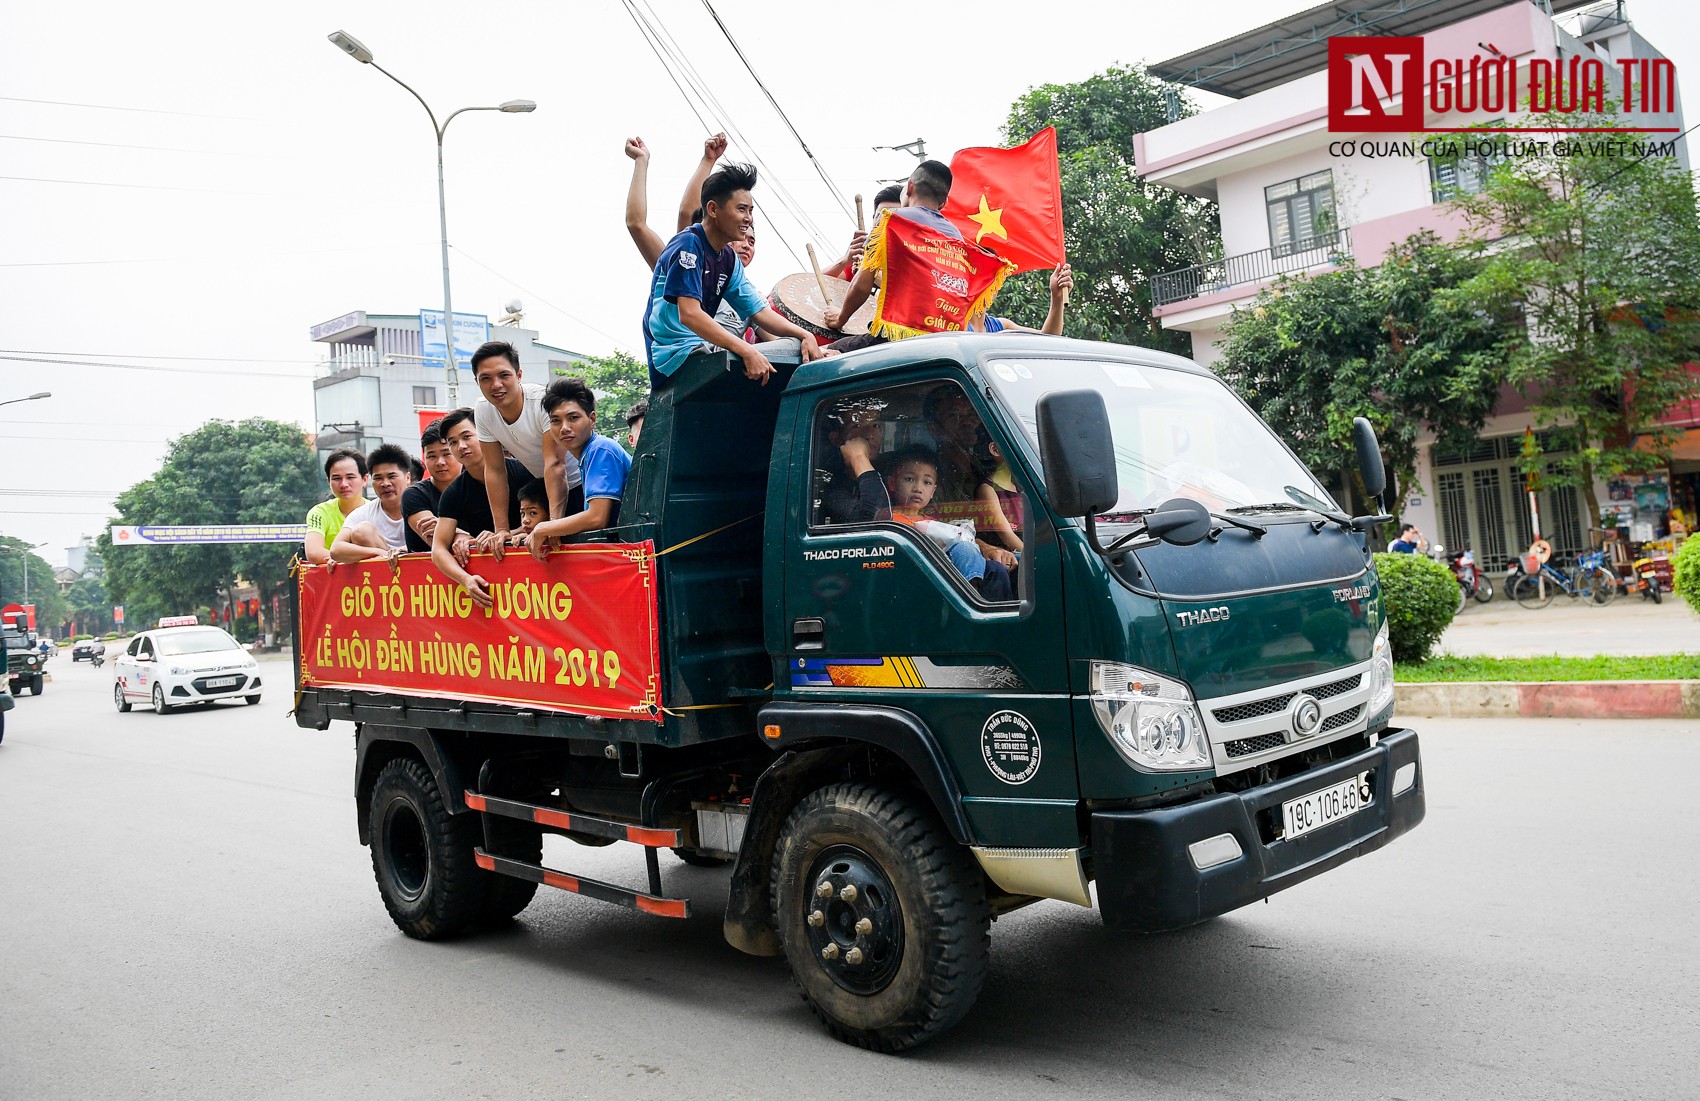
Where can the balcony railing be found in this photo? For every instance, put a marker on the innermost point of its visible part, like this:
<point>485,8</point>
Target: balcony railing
<point>1250,267</point>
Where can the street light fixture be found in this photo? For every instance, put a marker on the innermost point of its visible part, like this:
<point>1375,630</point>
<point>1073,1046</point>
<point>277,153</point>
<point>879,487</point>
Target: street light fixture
<point>354,48</point>
<point>32,397</point>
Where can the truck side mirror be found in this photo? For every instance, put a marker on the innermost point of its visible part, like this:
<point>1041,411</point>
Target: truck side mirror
<point>1076,452</point>
<point>1369,458</point>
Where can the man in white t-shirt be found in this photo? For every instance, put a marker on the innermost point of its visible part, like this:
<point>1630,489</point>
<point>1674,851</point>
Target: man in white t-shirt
<point>510,418</point>
<point>376,529</point>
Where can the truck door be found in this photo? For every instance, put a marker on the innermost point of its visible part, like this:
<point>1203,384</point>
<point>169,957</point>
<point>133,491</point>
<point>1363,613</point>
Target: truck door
<point>908,602</point>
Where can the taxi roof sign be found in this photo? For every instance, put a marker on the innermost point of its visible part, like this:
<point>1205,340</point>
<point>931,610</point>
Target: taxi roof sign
<point>179,621</point>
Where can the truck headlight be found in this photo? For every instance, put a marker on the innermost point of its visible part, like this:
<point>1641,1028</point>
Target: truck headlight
<point>1150,719</point>
<point>1381,674</point>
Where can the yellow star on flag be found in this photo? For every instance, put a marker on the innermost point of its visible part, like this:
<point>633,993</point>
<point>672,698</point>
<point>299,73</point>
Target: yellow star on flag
<point>990,221</point>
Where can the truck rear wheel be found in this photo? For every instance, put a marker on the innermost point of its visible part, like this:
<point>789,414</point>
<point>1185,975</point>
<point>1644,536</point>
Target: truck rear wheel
<point>883,917</point>
<point>422,856</point>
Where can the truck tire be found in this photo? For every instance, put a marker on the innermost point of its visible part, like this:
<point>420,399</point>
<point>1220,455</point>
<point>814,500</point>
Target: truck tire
<point>422,855</point>
<point>505,895</point>
<point>899,959</point>
<point>120,699</point>
<point>37,685</point>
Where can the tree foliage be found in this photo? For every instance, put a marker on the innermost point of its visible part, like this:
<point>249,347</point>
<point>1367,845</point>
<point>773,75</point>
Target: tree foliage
<point>1119,229</point>
<point>1403,344</point>
<point>1601,255</point>
<point>255,471</point>
<point>619,382</point>
<point>43,589</point>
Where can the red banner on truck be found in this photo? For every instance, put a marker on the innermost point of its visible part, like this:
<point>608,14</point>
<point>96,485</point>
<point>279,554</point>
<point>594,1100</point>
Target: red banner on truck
<point>576,633</point>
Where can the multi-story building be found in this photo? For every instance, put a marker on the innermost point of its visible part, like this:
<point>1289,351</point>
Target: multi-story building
<point>1290,202</point>
<point>380,375</point>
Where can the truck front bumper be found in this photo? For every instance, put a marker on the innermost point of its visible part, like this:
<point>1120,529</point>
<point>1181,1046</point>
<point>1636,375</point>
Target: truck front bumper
<point>1149,880</point>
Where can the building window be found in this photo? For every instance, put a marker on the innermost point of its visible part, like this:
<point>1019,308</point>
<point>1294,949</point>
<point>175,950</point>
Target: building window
<point>562,366</point>
<point>1466,173</point>
<point>1300,212</point>
<point>424,397</point>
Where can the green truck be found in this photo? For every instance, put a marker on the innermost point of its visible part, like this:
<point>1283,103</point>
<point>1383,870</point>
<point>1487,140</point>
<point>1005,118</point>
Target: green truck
<point>24,661</point>
<point>1147,660</point>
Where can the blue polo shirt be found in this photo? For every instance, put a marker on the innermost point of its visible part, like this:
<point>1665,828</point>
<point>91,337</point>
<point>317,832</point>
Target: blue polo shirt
<point>605,465</point>
<point>688,268</point>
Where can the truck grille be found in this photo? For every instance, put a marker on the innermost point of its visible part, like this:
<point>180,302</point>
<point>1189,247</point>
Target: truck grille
<point>1269,705</point>
<point>1344,718</point>
<point>1245,747</point>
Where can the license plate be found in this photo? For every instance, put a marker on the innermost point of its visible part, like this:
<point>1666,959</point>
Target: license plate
<point>1319,808</point>
<point>224,682</point>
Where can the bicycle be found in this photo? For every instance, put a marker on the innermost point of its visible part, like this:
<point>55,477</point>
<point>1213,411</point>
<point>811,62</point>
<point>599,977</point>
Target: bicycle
<point>1591,579</point>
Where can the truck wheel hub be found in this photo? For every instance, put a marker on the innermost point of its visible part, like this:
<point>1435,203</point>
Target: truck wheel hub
<point>858,939</point>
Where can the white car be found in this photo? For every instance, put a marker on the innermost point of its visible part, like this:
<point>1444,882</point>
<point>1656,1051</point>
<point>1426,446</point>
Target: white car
<point>172,666</point>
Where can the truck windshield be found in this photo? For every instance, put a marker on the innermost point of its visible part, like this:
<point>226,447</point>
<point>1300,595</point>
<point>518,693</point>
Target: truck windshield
<point>1177,434</point>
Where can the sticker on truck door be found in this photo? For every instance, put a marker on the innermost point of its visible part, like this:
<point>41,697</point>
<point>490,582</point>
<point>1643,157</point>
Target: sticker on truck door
<point>1010,746</point>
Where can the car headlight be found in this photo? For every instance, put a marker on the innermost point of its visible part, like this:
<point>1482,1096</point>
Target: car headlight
<point>1381,674</point>
<point>1150,719</point>
<point>179,671</point>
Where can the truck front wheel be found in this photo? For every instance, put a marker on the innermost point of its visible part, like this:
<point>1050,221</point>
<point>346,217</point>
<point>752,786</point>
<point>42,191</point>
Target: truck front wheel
<point>422,856</point>
<point>883,917</point>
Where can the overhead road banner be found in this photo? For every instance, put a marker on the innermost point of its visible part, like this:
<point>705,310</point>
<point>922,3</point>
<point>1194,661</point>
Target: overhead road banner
<point>173,534</point>
<point>576,633</point>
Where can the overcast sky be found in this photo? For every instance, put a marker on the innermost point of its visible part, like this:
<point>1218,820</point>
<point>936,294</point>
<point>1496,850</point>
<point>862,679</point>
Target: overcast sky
<point>187,187</point>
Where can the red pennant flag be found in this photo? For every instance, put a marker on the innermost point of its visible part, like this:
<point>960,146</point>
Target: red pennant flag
<point>1010,200</point>
<point>929,283</point>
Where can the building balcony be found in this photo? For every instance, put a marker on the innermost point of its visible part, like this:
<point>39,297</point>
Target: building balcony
<point>1250,268</point>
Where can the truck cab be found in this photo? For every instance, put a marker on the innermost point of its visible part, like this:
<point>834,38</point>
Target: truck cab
<point>947,626</point>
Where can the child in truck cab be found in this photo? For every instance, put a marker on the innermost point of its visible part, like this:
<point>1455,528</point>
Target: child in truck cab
<point>911,479</point>
<point>572,417</point>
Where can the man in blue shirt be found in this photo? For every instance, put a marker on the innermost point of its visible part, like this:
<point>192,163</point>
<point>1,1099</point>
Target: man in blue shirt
<point>696,271</point>
<point>572,417</point>
<point>1410,541</point>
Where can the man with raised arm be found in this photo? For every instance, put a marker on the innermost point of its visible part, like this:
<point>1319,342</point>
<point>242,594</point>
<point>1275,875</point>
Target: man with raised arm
<point>696,271</point>
<point>510,419</point>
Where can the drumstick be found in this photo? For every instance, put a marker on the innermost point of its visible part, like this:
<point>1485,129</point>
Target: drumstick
<point>819,282</point>
<point>861,223</point>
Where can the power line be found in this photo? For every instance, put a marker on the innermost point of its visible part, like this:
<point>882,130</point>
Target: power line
<point>138,187</point>
<point>819,168</point>
<point>141,355</point>
<point>565,313</point>
<point>149,148</point>
<point>153,367</point>
<point>133,110</point>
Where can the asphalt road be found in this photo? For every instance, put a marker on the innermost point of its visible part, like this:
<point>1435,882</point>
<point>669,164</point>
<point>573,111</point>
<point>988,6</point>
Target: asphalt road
<point>1628,626</point>
<point>185,912</point>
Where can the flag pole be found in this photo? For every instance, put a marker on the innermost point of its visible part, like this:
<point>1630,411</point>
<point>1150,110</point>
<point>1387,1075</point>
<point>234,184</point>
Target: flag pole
<point>861,222</point>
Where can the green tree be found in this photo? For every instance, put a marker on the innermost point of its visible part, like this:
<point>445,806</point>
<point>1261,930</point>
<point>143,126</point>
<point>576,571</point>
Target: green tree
<point>1600,253</point>
<point>255,471</point>
<point>619,382</point>
<point>43,592</point>
<point>1402,344</point>
<point>90,609</point>
<point>1119,230</point>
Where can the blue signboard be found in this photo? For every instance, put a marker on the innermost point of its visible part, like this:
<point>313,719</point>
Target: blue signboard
<point>471,330</point>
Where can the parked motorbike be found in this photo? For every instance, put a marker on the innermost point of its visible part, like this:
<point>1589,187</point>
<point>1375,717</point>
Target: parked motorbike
<point>1643,580</point>
<point>1470,579</point>
<point>1438,553</point>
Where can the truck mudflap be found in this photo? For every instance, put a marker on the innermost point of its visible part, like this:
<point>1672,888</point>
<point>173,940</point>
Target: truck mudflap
<point>1148,862</point>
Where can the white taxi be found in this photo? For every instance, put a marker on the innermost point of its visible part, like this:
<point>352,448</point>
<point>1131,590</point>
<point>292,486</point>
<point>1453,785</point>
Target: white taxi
<point>183,662</point>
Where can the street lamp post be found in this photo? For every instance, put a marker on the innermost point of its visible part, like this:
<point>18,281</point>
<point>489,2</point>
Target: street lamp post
<point>32,397</point>
<point>351,46</point>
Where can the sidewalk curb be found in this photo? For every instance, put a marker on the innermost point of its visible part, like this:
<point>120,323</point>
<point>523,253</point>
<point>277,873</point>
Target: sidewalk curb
<point>1638,699</point>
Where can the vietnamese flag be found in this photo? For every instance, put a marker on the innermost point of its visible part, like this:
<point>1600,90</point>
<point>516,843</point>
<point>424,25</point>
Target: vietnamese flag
<point>1010,200</point>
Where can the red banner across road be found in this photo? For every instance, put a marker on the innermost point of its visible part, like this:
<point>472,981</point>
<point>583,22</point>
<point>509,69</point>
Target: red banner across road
<point>576,633</point>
